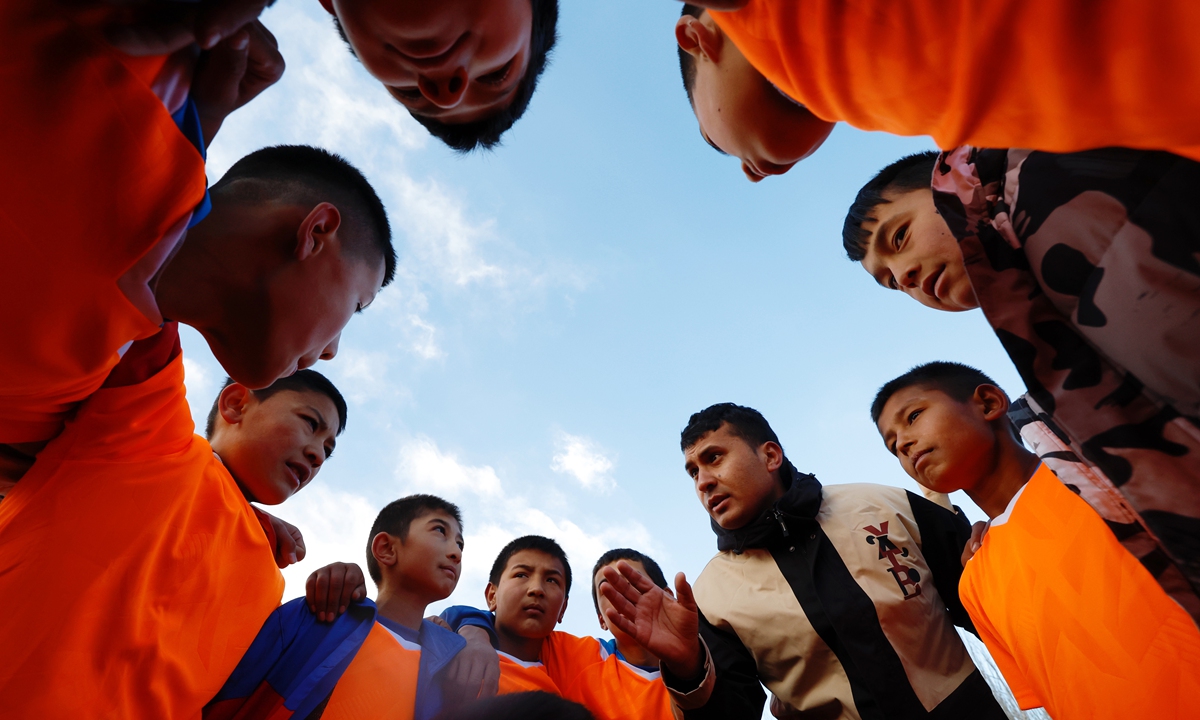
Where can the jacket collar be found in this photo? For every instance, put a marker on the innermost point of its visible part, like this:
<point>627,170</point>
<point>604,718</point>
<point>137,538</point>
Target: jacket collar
<point>800,502</point>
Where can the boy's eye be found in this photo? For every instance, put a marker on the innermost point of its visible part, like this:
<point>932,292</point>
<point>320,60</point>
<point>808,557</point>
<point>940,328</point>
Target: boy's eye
<point>440,529</point>
<point>311,422</point>
<point>460,544</point>
<point>913,416</point>
<point>892,283</point>
<point>900,235</point>
<point>497,77</point>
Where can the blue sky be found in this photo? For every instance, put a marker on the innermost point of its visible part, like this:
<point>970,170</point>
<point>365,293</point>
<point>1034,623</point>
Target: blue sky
<point>566,302</point>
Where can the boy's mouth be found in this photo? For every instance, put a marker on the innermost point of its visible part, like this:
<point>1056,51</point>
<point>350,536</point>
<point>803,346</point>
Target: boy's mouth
<point>299,473</point>
<point>450,570</point>
<point>918,456</point>
<point>534,611</point>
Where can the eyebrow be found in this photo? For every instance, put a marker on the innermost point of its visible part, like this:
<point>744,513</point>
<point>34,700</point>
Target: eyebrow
<point>879,241</point>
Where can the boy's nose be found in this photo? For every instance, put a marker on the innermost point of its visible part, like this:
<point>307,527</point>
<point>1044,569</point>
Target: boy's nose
<point>331,349</point>
<point>444,90</point>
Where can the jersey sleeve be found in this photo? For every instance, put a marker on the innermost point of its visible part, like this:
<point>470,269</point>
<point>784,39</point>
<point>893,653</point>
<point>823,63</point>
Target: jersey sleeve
<point>459,616</point>
<point>943,535</point>
<point>1026,697</point>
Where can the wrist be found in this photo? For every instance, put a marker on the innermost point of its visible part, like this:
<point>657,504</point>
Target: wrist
<point>688,664</point>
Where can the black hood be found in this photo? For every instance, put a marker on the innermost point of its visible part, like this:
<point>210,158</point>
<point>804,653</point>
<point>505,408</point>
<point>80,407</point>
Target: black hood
<point>800,503</point>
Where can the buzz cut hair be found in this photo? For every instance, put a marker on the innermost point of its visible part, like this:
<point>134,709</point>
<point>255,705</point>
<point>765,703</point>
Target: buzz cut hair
<point>957,380</point>
<point>487,132</point>
<point>911,172</point>
<point>306,175</point>
<point>301,381</point>
<point>398,516</point>
<point>531,542</point>
<point>653,571</point>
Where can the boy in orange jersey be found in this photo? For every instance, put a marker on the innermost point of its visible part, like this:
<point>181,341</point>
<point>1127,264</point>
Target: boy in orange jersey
<point>375,659</point>
<point>1122,74</point>
<point>614,680</point>
<point>526,597</point>
<point>148,616</point>
<point>1076,624</point>
<point>1085,266</point>
<point>297,242</point>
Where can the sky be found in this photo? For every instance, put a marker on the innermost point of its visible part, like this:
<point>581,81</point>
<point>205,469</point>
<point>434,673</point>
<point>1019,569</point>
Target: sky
<point>565,302</point>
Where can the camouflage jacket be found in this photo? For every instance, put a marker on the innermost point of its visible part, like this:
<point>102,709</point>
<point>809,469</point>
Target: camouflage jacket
<point>1087,266</point>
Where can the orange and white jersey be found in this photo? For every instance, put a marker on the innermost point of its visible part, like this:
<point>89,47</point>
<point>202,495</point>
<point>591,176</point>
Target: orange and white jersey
<point>522,676</point>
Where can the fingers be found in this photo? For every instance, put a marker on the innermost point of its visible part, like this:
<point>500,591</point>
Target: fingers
<point>218,19</point>
<point>635,578</point>
<point>265,63</point>
<point>354,587</point>
<point>619,621</point>
<point>622,604</point>
<point>490,686</point>
<point>437,620</point>
<point>619,584</point>
<point>683,593</point>
<point>285,543</point>
<point>298,537</point>
<point>153,29</point>
<point>318,594</point>
<point>978,530</point>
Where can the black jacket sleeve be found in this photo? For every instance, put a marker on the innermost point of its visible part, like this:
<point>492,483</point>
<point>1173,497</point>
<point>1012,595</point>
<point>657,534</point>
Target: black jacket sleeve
<point>737,693</point>
<point>944,534</point>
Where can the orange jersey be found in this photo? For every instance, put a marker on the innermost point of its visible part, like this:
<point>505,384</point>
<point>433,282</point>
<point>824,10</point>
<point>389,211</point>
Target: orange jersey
<point>96,177</point>
<point>1055,76</point>
<point>521,676</point>
<point>380,683</point>
<point>1076,624</point>
<point>609,687</point>
<point>134,572</point>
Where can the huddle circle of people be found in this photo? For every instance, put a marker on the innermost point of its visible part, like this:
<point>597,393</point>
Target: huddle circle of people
<point>1062,204</point>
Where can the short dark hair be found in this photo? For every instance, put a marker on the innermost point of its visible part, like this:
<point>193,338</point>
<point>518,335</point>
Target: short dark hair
<point>530,542</point>
<point>536,705</point>
<point>955,379</point>
<point>745,422</point>
<point>911,172</point>
<point>687,63</point>
<point>653,571</point>
<point>485,133</point>
<point>300,381</point>
<point>397,517</point>
<point>309,175</point>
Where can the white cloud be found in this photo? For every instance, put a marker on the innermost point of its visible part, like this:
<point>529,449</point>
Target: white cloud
<point>425,468</point>
<point>335,525</point>
<point>441,237</point>
<point>584,460</point>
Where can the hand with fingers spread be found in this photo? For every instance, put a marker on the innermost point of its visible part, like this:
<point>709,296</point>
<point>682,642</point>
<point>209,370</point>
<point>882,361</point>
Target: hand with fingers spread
<point>233,73</point>
<point>666,626</point>
<point>330,590</point>
<point>475,671</point>
<point>154,27</point>
<point>978,530</point>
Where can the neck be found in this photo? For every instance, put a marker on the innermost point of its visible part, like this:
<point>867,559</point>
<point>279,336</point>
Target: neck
<point>520,647</point>
<point>1011,469</point>
<point>636,654</point>
<point>402,605</point>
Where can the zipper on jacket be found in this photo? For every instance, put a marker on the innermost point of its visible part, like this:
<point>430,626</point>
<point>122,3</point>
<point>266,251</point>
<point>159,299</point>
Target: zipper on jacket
<point>782,524</point>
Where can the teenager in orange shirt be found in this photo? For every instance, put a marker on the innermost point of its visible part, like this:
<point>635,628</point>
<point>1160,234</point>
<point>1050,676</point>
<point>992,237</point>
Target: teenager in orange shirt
<point>296,243</point>
<point>1052,76</point>
<point>1076,624</point>
<point>149,614</point>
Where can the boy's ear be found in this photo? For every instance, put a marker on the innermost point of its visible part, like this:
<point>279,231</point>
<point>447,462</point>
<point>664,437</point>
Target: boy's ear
<point>992,401</point>
<point>603,624</point>
<point>772,455</point>
<point>564,609</point>
<point>317,229</point>
<point>232,403</point>
<point>697,39</point>
<point>383,550</point>
<point>489,595</point>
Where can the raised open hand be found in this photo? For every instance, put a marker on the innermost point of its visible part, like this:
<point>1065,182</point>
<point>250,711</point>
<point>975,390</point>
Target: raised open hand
<point>154,27</point>
<point>668,626</point>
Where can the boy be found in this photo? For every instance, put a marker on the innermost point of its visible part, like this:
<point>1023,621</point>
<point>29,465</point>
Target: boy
<point>527,595</point>
<point>841,599</point>
<point>376,660</point>
<point>1085,266</point>
<point>147,616</point>
<point>295,244</point>
<point>1076,624</point>
<point>464,69</point>
<point>1123,73</point>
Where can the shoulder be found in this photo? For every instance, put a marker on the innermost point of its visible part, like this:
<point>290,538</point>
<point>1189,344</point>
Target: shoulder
<point>863,497</point>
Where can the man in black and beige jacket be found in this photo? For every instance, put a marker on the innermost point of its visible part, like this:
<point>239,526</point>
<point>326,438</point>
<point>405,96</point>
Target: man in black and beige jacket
<point>841,599</point>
